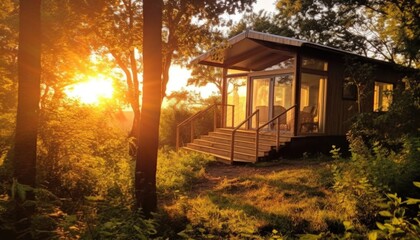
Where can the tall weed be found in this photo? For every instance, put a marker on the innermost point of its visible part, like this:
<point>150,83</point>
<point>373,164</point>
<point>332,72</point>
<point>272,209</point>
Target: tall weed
<point>177,171</point>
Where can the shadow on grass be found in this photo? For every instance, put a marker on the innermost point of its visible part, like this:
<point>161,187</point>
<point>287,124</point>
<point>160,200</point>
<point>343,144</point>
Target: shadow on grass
<point>280,185</point>
<point>281,223</point>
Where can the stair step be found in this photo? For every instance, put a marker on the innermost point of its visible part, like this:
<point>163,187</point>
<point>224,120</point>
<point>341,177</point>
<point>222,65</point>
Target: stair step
<point>251,133</point>
<point>218,144</point>
<point>241,138</point>
<point>222,158</point>
<point>242,143</point>
<point>224,152</point>
<point>269,136</point>
<point>263,150</point>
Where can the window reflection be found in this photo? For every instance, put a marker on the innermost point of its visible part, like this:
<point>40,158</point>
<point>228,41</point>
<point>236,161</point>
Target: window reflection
<point>382,97</point>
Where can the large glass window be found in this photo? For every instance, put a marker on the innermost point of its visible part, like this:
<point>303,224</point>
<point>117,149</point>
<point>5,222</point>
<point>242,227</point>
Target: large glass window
<point>283,90</point>
<point>261,99</point>
<point>236,96</point>
<point>382,96</point>
<point>312,103</point>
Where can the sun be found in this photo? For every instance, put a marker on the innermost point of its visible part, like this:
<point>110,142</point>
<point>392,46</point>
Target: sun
<point>92,91</point>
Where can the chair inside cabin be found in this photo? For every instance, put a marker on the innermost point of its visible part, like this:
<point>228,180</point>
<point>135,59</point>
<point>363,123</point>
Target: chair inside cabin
<point>307,120</point>
<point>277,110</point>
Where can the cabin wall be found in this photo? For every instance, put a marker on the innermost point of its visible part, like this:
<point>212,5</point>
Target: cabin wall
<point>339,110</point>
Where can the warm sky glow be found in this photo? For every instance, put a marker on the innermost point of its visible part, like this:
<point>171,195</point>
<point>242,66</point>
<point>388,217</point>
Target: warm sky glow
<point>93,90</point>
<point>178,78</point>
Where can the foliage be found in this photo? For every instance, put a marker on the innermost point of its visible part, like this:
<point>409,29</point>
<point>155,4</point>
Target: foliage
<point>388,156</point>
<point>398,224</point>
<point>45,207</point>
<point>403,115</point>
<point>178,171</point>
<point>201,75</point>
<point>82,152</point>
<point>261,22</point>
<point>356,195</point>
<point>361,76</point>
<point>112,219</point>
<point>170,118</point>
<point>385,29</point>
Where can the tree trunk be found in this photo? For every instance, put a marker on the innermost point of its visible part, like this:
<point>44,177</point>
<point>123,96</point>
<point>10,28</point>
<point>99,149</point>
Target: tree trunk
<point>29,74</point>
<point>145,176</point>
<point>29,71</point>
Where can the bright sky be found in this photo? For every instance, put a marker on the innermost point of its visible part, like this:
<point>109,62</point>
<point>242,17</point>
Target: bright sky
<point>100,87</point>
<point>179,76</point>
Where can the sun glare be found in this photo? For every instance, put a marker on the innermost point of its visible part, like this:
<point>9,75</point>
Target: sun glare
<point>92,91</point>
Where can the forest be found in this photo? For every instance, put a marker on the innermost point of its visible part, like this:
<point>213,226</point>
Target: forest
<point>88,125</point>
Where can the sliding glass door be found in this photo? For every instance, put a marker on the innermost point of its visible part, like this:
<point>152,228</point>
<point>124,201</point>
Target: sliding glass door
<point>272,96</point>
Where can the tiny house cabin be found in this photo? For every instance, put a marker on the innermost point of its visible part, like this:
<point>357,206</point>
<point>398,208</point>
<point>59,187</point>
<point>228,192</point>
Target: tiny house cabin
<point>283,97</point>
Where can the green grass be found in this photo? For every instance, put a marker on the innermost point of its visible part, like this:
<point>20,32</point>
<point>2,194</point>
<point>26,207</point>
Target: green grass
<point>289,200</point>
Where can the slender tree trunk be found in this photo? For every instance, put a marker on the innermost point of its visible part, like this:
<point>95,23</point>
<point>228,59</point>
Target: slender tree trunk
<point>145,176</point>
<point>29,74</point>
<point>29,71</point>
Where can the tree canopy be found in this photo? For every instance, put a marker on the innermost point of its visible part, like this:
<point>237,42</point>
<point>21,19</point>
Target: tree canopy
<point>383,29</point>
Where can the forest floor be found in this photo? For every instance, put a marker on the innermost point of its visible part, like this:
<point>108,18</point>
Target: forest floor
<point>217,172</point>
<point>288,196</point>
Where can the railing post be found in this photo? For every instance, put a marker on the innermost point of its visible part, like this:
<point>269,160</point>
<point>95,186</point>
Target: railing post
<point>258,118</point>
<point>192,131</point>
<point>278,135</point>
<point>233,116</point>
<point>257,139</point>
<point>215,118</point>
<point>232,147</point>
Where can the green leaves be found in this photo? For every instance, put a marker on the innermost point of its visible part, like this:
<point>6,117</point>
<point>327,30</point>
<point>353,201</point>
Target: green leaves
<point>385,214</point>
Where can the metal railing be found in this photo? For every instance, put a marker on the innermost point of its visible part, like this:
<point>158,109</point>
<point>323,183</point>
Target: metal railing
<point>190,121</point>
<point>276,118</point>
<point>258,129</point>
<point>249,118</point>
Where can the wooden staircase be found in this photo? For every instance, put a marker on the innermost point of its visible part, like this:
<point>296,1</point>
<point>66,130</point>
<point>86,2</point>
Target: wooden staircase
<point>219,142</point>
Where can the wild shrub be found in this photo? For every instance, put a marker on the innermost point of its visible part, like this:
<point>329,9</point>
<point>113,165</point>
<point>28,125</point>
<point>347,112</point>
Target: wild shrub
<point>112,219</point>
<point>177,171</point>
<point>82,152</point>
<point>357,197</point>
<point>44,221</point>
<point>170,117</point>
<point>397,224</point>
<point>386,145</point>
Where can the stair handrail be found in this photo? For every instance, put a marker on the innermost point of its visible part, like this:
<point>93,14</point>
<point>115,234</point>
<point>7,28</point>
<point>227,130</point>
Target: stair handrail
<point>195,116</point>
<point>232,141</point>
<point>257,131</point>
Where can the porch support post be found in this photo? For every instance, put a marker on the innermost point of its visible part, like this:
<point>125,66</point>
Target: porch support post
<point>297,92</point>
<point>224,107</point>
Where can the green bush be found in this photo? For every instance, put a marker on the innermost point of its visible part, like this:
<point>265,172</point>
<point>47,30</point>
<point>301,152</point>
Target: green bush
<point>177,171</point>
<point>171,116</point>
<point>386,145</point>
<point>398,224</point>
<point>107,219</point>
<point>82,152</point>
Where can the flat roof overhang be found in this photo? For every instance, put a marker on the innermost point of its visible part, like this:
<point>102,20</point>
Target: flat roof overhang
<point>250,51</point>
<point>256,51</point>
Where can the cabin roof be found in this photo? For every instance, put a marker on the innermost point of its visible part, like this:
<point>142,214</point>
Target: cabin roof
<point>255,51</point>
